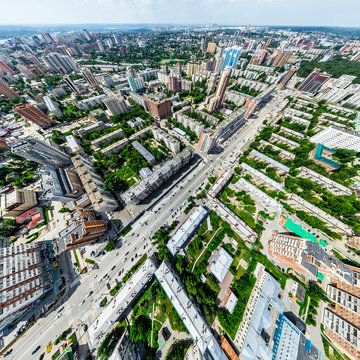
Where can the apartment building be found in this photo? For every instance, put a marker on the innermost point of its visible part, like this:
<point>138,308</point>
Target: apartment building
<point>34,115</point>
<point>283,154</point>
<point>332,223</point>
<point>83,229</point>
<point>159,109</point>
<point>17,202</point>
<point>93,184</point>
<point>145,187</point>
<point>171,143</point>
<point>146,154</point>
<point>275,138</point>
<point>25,276</point>
<point>280,168</point>
<point>332,186</point>
<point>119,133</point>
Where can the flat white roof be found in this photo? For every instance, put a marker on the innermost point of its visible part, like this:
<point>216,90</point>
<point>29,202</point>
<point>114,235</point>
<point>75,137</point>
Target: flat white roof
<point>120,302</point>
<point>186,230</point>
<point>188,313</point>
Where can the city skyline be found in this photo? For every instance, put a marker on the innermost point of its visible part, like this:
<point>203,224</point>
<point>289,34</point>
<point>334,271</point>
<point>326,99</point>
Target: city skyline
<point>227,12</point>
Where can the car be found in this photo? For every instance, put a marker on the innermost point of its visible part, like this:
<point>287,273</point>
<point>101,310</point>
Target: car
<point>137,235</point>
<point>117,281</point>
<point>144,246</point>
<point>61,309</point>
<point>124,259</point>
<point>108,286</point>
<point>135,255</point>
<point>82,303</point>
<point>348,251</point>
<point>42,356</point>
<point>90,293</point>
<point>36,350</point>
<point>59,315</point>
<point>127,253</point>
<point>119,273</point>
<point>132,259</point>
<point>105,276</point>
<point>85,327</point>
<point>8,352</point>
<point>113,267</point>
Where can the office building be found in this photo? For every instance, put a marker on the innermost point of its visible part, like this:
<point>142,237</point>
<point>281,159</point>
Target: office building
<point>6,91</point>
<point>115,105</point>
<point>52,106</point>
<point>211,47</point>
<point>136,84</point>
<point>108,81</point>
<point>174,84</point>
<point>100,45</point>
<point>34,115</point>
<point>148,185</point>
<point>83,229</point>
<point>341,321</point>
<point>25,278</point>
<point>16,202</point>
<point>159,108</point>
<point>230,56</point>
<point>262,311</point>
<point>45,153</point>
<point>313,82</point>
<point>203,338</point>
<point>93,184</point>
<point>184,233</point>
<point>323,156</point>
<point>334,137</point>
<point>90,78</point>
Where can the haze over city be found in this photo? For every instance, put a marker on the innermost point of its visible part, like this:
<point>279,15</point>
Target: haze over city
<point>179,180</point>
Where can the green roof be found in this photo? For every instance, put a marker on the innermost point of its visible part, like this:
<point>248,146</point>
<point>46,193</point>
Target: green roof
<point>319,156</point>
<point>323,243</point>
<point>299,231</point>
<point>320,276</point>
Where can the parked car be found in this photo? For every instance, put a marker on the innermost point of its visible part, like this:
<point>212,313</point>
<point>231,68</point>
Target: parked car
<point>42,356</point>
<point>85,327</point>
<point>8,352</point>
<point>36,350</point>
<point>108,286</point>
<point>113,267</point>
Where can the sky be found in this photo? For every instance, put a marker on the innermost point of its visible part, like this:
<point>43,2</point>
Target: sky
<point>233,12</point>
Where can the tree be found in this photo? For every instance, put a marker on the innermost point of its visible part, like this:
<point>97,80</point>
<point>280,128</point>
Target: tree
<point>113,182</point>
<point>64,210</point>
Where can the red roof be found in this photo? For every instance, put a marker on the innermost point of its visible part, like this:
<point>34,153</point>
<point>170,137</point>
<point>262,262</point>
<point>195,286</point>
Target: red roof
<point>34,221</point>
<point>26,215</point>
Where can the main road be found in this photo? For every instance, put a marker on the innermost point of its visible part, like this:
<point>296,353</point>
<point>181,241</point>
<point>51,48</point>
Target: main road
<point>80,306</point>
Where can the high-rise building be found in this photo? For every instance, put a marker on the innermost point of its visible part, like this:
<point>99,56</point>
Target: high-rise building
<point>6,69</point>
<point>132,72</point>
<point>313,81</point>
<point>211,47</point>
<point>286,78</point>
<point>26,277</point>
<point>203,44</point>
<point>17,202</point>
<point>93,184</point>
<point>6,91</point>
<point>231,56</point>
<point>48,38</point>
<point>212,83</point>
<point>217,100</point>
<point>159,109</point>
<point>136,84</point>
<point>117,39</point>
<point>76,88</point>
<point>34,115</point>
<point>178,68</point>
<point>58,62</point>
<point>192,68</point>
<point>109,43</point>
<point>44,153</point>
<point>84,229</point>
<point>165,69</point>
<point>90,78</point>
<point>174,84</point>
<point>280,58</point>
<point>115,106</point>
<point>87,35</point>
<point>206,142</point>
<point>52,106</point>
<point>100,45</point>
